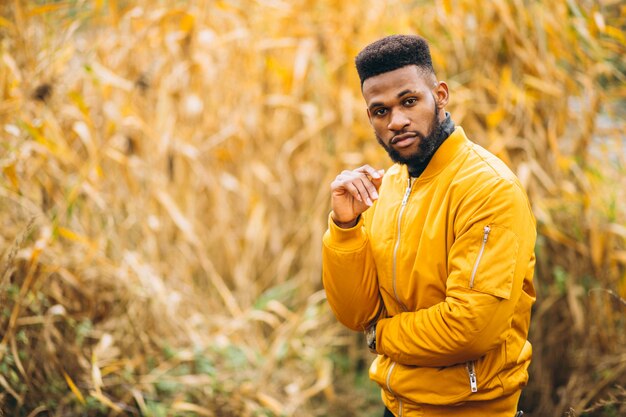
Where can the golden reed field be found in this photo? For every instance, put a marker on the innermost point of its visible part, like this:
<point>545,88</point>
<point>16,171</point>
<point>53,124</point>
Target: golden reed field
<point>164,187</point>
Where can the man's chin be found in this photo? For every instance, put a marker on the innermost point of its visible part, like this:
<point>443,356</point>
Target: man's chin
<point>411,156</point>
<point>408,158</point>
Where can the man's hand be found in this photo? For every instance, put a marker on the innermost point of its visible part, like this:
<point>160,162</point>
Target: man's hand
<point>353,192</point>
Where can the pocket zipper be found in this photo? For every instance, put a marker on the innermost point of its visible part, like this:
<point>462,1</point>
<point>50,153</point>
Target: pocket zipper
<point>471,371</point>
<point>471,366</point>
<point>486,231</point>
<point>393,365</point>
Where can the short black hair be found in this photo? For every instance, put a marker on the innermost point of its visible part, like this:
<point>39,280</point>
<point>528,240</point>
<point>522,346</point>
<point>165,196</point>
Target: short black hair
<point>393,52</point>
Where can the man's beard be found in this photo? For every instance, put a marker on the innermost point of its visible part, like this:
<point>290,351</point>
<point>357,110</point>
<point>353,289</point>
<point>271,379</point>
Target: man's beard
<point>428,145</point>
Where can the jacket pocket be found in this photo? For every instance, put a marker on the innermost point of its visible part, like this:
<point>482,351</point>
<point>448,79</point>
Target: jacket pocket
<point>449,385</point>
<point>492,254</point>
<point>379,370</point>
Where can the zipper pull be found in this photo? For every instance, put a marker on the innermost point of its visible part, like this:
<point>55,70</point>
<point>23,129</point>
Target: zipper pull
<point>472,377</point>
<point>487,229</point>
<point>407,193</point>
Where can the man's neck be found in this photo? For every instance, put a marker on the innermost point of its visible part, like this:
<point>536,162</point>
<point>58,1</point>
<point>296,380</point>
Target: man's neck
<point>444,130</point>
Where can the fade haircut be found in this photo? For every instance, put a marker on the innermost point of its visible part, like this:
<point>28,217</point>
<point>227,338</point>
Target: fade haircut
<point>393,52</point>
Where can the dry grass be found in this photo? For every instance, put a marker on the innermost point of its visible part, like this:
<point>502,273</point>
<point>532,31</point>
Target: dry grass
<point>164,192</point>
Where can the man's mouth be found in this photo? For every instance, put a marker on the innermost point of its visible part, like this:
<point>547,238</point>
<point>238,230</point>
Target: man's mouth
<point>404,139</point>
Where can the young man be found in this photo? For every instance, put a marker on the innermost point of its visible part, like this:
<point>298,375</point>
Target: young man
<point>433,259</point>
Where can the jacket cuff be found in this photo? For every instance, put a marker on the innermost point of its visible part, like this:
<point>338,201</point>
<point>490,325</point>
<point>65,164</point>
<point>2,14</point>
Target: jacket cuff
<point>345,239</point>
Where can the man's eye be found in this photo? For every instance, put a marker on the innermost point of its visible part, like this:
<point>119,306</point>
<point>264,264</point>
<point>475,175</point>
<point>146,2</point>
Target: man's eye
<point>380,112</point>
<point>410,101</point>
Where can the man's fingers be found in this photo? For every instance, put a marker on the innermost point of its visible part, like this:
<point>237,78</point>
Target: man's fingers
<point>368,187</point>
<point>363,191</point>
<point>353,189</point>
<point>374,173</point>
<point>361,183</point>
<point>378,181</point>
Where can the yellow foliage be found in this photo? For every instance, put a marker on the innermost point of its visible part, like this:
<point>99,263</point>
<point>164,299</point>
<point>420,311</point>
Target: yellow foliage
<point>183,155</point>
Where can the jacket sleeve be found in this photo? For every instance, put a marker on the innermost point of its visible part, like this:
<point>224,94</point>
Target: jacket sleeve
<point>349,275</point>
<point>492,255</point>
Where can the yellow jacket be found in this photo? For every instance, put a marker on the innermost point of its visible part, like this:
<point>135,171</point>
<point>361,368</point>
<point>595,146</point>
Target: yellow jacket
<point>445,263</point>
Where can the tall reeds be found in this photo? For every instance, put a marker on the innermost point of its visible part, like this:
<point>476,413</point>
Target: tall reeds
<point>164,190</point>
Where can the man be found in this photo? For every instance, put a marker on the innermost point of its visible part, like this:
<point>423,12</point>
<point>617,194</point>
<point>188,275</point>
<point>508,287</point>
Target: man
<point>433,259</point>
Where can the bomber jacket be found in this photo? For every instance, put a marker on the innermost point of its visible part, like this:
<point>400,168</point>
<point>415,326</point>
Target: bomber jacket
<point>443,264</point>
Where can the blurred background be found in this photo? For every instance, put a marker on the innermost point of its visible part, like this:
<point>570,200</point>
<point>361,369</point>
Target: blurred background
<point>164,188</point>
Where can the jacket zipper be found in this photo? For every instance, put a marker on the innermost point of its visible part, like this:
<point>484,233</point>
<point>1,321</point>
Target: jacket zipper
<point>471,366</point>
<point>486,231</point>
<point>405,199</point>
<point>471,371</point>
<point>393,365</point>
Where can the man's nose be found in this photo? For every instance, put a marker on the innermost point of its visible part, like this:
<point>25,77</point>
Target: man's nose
<point>398,121</point>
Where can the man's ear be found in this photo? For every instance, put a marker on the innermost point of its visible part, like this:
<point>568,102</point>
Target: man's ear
<point>442,95</point>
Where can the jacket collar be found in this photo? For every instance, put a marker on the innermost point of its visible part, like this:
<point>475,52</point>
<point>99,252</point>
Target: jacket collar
<point>448,150</point>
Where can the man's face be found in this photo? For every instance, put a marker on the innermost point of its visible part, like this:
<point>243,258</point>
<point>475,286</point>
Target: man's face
<point>403,107</point>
